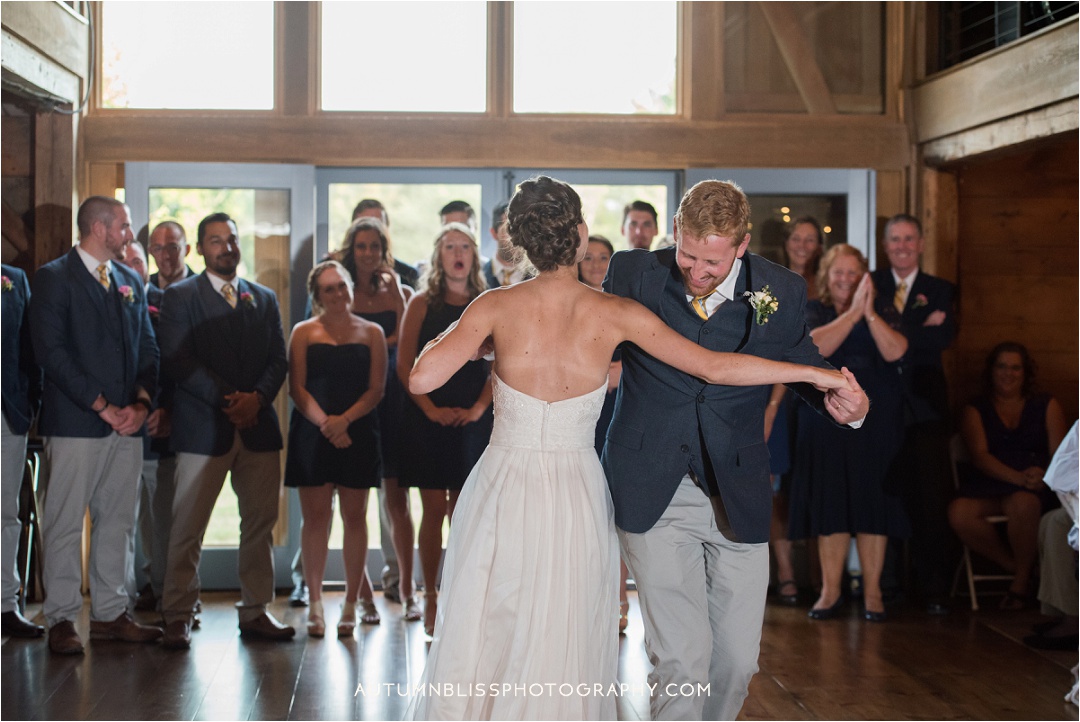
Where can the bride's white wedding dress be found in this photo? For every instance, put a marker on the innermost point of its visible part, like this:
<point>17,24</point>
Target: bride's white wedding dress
<point>527,625</point>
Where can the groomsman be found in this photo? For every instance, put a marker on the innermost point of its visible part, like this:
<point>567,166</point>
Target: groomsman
<point>223,348</point>
<point>924,306</point>
<point>639,224</point>
<point>500,269</point>
<point>169,247</point>
<point>93,339</point>
<point>22,387</point>
<point>159,464</point>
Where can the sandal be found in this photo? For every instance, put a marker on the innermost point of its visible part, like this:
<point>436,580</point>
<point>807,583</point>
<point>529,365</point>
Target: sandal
<point>791,597</point>
<point>316,623</point>
<point>624,618</point>
<point>347,623</point>
<point>412,609</point>
<point>1014,602</point>
<point>369,613</point>
<point>430,607</point>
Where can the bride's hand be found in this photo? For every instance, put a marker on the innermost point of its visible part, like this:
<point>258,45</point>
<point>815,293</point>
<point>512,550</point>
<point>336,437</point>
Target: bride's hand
<point>825,379</point>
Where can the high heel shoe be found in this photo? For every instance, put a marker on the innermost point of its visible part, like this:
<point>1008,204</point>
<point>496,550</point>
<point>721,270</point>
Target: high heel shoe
<point>316,623</point>
<point>369,613</point>
<point>347,623</point>
<point>827,612</point>
<point>412,609</point>
<point>430,610</point>
<point>624,619</point>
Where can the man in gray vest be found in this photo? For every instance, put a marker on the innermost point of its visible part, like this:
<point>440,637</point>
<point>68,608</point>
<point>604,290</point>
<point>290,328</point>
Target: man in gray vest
<point>687,462</point>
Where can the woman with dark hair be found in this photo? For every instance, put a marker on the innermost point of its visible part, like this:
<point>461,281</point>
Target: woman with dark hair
<point>379,298</point>
<point>838,488</point>
<point>802,253</point>
<point>337,368</point>
<point>1011,433</point>
<point>529,581</point>
<point>450,426</point>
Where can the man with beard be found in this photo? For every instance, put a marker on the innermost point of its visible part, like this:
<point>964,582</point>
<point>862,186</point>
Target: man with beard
<point>223,348</point>
<point>692,495</point>
<point>93,339</point>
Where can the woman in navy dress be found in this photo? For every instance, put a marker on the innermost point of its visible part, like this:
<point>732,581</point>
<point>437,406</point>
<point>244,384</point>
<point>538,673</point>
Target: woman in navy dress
<point>838,486</point>
<point>380,298</point>
<point>1011,433</point>
<point>337,367</point>
<point>450,427</point>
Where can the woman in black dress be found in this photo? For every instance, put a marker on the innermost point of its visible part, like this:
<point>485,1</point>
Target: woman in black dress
<point>1011,433</point>
<point>380,298</point>
<point>337,367</point>
<point>838,486</point>
<point>450,427</point>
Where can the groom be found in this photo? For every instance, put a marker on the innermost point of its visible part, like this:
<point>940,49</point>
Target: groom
<point>687,462</point>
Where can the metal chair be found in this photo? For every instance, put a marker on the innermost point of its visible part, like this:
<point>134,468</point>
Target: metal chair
<point>958,454</point>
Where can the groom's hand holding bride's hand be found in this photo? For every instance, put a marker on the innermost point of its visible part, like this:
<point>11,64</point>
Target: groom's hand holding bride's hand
<point>486,349</point>
<point>848,404</point>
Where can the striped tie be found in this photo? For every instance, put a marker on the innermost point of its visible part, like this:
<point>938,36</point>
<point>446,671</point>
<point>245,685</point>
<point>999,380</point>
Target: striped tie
<point>698,305</point>
<point>103,276</point>
<point>229,294</point>
<point>900,296</point>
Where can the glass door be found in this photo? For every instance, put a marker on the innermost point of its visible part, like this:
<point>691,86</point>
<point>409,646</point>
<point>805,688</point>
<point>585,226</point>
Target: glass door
<point>273,209</point>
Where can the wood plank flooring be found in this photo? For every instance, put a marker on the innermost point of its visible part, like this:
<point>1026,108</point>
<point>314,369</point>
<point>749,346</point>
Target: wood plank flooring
<point>964,666</point>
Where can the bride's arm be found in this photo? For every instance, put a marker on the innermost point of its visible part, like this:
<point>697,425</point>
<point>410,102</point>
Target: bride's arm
<point>443,356</point>
<point>641,327</point>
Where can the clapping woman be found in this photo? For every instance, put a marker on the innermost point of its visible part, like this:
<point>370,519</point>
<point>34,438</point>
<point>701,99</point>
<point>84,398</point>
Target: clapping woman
<point>337,367</point>
<point>449,427</point>
<point>838,486</point>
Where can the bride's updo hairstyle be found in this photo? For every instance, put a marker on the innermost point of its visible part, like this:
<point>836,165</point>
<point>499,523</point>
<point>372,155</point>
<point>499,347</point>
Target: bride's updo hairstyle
<point>543,220</point>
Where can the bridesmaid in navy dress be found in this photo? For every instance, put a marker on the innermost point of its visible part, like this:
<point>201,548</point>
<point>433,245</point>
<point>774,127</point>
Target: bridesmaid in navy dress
<point>379,298</point>
<point>337,367</point>
<point>450,427</point>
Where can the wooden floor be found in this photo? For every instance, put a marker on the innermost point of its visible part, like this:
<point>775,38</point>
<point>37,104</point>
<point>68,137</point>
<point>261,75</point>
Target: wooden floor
<point>964,666</point>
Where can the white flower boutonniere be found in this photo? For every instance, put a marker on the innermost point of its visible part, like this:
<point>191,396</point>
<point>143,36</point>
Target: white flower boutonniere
<point>764,304</point>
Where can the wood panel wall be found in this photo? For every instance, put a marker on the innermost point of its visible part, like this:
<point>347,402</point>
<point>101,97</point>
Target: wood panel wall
<point>1018,259</point>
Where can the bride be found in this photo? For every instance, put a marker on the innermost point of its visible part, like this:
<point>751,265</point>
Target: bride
<point>527,627</point>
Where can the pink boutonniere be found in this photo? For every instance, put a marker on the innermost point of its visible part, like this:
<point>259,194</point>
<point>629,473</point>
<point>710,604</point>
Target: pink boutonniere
<point>6,283</point>
<point>247,299</point>
<point>127,293</point>
<point>920,301</point>
<point>154,310</point>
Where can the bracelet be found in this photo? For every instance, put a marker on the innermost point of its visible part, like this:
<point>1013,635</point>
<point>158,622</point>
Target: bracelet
<point>871,319</point>
<point>103,406</point>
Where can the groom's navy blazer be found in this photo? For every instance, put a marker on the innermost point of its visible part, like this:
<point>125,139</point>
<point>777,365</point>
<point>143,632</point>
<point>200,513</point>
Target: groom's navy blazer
<point>209,350</point>
<point>89,341</point>
<point>667,422</point>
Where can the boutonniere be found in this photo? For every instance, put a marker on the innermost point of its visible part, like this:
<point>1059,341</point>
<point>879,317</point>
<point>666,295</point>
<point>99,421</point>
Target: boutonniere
<point>764,304</point>
<point>920,301</point>
<point>247,299</point>
<point>127,293</point>
<point>154,311</point>
<point>6,284</point>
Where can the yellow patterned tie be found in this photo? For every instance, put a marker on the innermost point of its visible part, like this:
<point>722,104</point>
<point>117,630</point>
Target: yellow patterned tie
<point>698,305</point>
<point>900,296</point>
<point>103,276</point>
<point>506,276</point>
<point>229,294</point>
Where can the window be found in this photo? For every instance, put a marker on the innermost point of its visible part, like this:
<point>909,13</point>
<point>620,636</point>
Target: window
<point>188,55</point>
<point>595,57</point>
<point>414,56</point>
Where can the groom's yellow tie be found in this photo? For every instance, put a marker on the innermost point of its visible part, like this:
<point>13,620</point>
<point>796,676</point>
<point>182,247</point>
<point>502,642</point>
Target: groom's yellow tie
<point>698,305</point>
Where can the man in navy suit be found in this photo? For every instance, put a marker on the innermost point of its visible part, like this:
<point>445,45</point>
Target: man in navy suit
<point>502,268</point>
<point>223,348</point>
<point>159,465</point>
<point>691,492</point>
<point>22,387</point>
<point>93,339</point>
<point>169,247</point>
<point>924,306</point>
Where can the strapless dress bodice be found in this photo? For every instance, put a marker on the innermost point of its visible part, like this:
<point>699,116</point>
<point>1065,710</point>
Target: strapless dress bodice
<point>526,422</point>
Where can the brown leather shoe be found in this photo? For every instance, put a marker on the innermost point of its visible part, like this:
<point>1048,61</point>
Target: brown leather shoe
<point>266,627</point>
<point>177,635</point>
<point>14,624</point>
<point>124,629</point>
<point>63,639</point>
